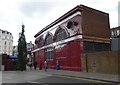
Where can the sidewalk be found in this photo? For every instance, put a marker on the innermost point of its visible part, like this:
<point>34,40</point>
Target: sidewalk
<point>95,76</point>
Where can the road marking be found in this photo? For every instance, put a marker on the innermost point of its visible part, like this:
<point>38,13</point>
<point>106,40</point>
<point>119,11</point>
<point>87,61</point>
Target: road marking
<point>37,83</point>
<point>32,82</point>
<point>83,79</point>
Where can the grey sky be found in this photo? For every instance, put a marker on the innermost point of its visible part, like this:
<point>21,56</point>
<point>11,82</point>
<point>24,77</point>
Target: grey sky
<point>36,14</point>
<point>119,13</point>
<point>29,9</point>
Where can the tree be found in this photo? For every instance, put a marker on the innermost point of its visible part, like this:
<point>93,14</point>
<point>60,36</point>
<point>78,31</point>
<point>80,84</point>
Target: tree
<point>22,50</point>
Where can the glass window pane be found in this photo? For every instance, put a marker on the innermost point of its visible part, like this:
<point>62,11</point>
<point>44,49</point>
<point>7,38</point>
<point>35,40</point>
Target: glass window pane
<point>48,40</point>
<point>61,34</point>
<point>49,53</point>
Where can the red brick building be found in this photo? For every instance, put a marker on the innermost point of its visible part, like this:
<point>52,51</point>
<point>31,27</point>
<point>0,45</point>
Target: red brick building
<point>82,29</point>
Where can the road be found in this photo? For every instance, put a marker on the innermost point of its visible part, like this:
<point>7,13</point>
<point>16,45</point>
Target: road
<point>44,78</point>
<point>21,77</point>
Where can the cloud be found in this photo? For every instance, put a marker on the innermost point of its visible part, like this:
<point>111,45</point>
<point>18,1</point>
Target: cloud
<point>119,13</point>
<point>36,9</point>
<point>36,14</point>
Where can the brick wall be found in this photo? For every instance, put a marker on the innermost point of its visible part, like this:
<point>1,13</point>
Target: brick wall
<point>95,23</point>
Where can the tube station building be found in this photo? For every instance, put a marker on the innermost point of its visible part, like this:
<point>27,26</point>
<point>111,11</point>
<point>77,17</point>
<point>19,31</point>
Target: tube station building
<point>80,30</point>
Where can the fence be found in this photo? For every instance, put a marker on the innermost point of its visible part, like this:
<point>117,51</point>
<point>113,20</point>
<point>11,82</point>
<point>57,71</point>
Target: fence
<point>101,62</point>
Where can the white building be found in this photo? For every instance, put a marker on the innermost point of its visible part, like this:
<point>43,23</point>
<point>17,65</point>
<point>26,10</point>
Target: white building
<point>29,49</point>
<point>15,50</point>
<point>29,46</point>
<point>6,42</point>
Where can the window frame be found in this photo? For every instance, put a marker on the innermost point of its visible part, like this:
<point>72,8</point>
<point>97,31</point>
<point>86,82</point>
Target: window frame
<point>48,39</point>
<point>61,34</point>
<point>41,42</point>
<point>48,53</point>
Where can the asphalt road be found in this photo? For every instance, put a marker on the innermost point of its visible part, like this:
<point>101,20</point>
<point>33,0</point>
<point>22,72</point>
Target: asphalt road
<point>59,79</point>
<point>22,77</point>
<point>43,78</point>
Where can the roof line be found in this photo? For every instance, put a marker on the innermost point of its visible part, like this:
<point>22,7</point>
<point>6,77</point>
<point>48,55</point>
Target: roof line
<point>59,19</point>
<point>77,8</point>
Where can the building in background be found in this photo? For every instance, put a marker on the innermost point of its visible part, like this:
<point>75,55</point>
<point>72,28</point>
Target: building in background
<point>81,30</point>
<point>15,50</point>
<point>115,32</point>
<point>6,42</point>
<point>29,49</point>
<point>115,38</point>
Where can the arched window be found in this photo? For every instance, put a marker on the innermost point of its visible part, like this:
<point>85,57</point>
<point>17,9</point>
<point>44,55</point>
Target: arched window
<point>41,42</point>
<point>36,43</point>
<point>48,51</point>
<point>60,34</point>
<point>48,39</point>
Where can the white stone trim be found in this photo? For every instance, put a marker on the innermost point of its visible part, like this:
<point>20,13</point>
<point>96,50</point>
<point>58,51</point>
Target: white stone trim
<point>59,42</point>
<point>55,26</point>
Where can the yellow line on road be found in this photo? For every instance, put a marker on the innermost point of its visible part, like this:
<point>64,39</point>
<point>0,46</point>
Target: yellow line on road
<point>98,81</point>
<point>32,82</point>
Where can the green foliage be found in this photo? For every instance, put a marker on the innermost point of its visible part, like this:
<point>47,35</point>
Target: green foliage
<point>22,51</point>
<point>16,65</point>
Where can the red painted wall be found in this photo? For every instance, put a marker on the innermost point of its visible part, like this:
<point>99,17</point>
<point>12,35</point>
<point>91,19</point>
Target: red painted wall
<point>39,57</point>
<point>67,54</point>
<point>8,64</point>
<point>75,53</point>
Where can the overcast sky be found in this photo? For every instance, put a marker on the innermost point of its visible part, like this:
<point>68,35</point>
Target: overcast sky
<point>36,14</point>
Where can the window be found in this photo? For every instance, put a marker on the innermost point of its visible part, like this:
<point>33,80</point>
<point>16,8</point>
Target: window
<point>9,48</point>
<point>112,34</point>
<point>95,47</point>
<point>5,42</point>
<point>3,31</point>
<point>118,32</point>
<point>60,35</point>
<point>8,38</point>
<point>36,41</point>
<point>115,32</point>
<point>48,53</point>
<point>48,39</point>
<point>41,42</point>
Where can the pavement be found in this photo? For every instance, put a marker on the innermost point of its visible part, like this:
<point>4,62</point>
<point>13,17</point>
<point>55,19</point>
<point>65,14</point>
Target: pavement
<point>94,76</point>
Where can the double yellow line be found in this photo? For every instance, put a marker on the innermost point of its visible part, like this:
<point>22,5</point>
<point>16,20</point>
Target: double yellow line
<point>91,80</point>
